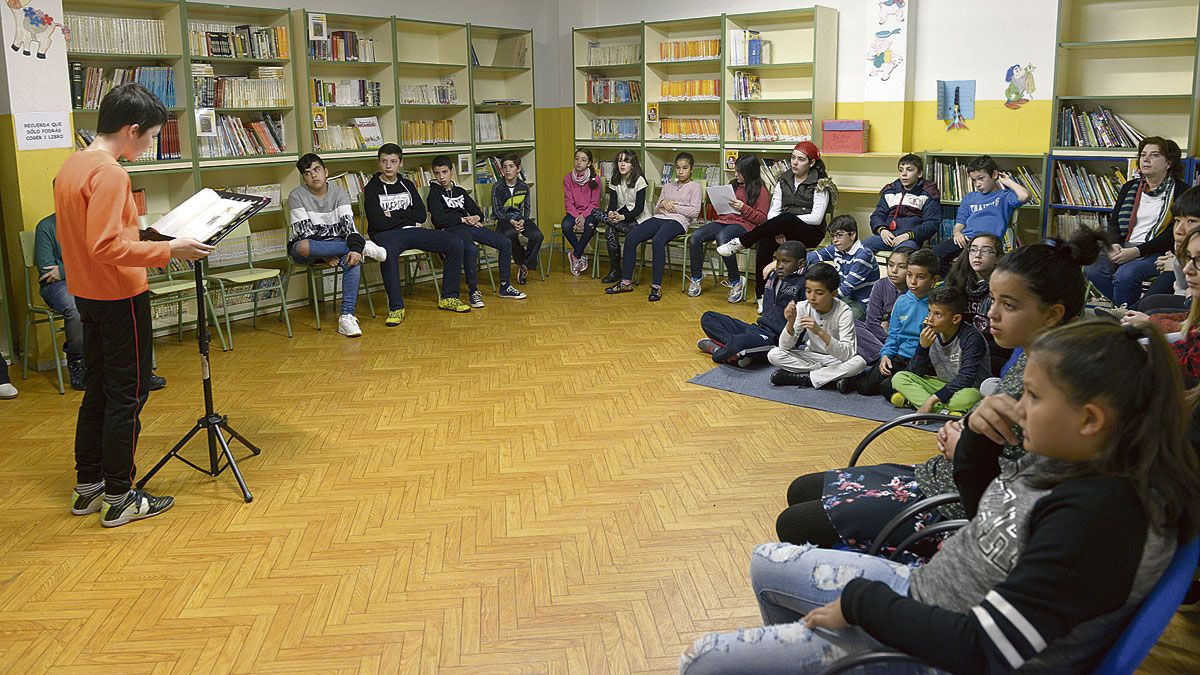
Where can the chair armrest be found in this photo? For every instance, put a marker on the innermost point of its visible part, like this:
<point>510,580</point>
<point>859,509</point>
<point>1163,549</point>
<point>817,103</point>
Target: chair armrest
<point>936,528</point>
<point>849,663</point>
<point>899,421</point>
<point>922,506</point>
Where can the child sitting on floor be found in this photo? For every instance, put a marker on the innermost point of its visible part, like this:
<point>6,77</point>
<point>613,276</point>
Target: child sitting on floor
<point>817,344</point>
<point>950,363</point>
<point>855,263</point>
<point>734,341</point>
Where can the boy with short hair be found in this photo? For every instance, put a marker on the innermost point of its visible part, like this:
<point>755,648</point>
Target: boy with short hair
<point>452,209</point>
<point>323,231</point>
<point>986,210</point>
<point>909,211</point>
<point>854,262</point>
<point>904,327</point>
<point>950,363</point>
<point>510,208</point>
<point>736,342</point>
<point>873,330</point>
<point>817,345</point>
<point>101,244</point>
<point>396,221</point>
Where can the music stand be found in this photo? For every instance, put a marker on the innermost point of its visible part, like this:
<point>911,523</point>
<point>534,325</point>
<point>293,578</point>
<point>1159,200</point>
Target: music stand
<point>213,423</point>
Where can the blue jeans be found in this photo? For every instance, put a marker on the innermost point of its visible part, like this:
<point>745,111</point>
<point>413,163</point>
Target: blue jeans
<point>1121,283</point>
<point>397,240</point>
<point>722,233</point>
<point>874,243</point>
<point>579,241</point>
<point>60,300</point>
<point>658,231</point>
<point>320,250</point>
<point>470,235</point>
<point>789,581</point>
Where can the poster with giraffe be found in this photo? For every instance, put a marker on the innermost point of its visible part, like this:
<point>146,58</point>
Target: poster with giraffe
<point>35,57</point>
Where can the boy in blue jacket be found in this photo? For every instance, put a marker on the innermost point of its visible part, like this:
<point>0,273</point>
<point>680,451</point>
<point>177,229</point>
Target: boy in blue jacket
<point>904,328</point>
<point>855,264</point>
<point>510,208</point>
<point>736,342</point>
<point>909,211</point>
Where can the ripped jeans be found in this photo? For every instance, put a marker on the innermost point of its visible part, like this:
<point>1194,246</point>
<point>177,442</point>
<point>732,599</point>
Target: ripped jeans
<point>789,581</point>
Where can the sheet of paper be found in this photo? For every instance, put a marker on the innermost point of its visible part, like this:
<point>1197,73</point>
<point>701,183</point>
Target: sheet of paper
<point>200,217</point>
<point>719,196</point>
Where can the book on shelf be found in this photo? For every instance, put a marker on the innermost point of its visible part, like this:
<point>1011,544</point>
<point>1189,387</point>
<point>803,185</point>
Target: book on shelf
<point>759,129</point>
<point>165,146</point>
<point>427,132</point>
<point>501,102</point>
<point>353,182</point>
<point>690,129</point>
<point>690,90</point>
<point>689,50</point>
<point>272,191</point>
<point>487,170</point>
<point>445,93</point>
<point>115,35</point>
<point>488,128</point>
<point>615,128</point>
<point>368,128</point>
<point>601,89</point>
<point>621,54</point>
<point>345,93</point>
<point>342,45</point>
<point>474,56</point>
<point>208,39</point>
<point>1075,185</point>
<point>421,176</point>
<point>772,169</point>
<point>139,200</point>
<point>511,52</point>
<point>263,87</point>
<point>359,133</point>
<point>1067,224</point>
<point>707,173</point>
<point>1099,129</point>
<point>748,48</point>
<point>949,174</point>
<point>746,86</point>
<point>235,137</point>
<point>90,84</point>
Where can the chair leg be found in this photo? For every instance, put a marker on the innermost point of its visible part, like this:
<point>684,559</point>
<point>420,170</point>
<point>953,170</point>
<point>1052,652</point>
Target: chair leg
<point>366,288</point>
<point>684,270</point>
<point>216,320</point>
<point>312,294</point>
<point>25,350</point>
<point>225,311</point>
<point>437,282</point>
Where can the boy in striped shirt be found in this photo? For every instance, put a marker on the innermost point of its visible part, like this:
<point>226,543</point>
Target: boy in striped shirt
<point>853,261</point>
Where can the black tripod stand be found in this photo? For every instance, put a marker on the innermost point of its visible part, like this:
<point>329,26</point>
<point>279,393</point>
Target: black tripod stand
<point>213,423</point>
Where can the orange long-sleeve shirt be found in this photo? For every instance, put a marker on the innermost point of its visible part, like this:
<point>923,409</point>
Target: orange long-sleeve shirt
<point>98,229</point>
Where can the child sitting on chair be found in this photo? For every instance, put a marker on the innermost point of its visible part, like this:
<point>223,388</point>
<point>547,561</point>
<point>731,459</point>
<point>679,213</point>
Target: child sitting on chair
<point>817,345</point>
<point>854,262</point>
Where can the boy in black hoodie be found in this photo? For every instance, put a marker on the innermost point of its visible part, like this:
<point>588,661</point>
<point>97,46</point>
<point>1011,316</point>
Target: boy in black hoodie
<point>510,207</point>
<point>395,221</point>
<point>909,210</point>
<point>452,209</point>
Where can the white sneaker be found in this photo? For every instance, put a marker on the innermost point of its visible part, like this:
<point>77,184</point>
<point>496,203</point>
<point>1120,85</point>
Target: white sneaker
<point>738,291</point>
<point>731,247</point>
<point>760,305</point>
<point>694,286</point>
<point>348,325</point>
<point>583,264</point>
<point>374,251</point>
<point>7,391</point>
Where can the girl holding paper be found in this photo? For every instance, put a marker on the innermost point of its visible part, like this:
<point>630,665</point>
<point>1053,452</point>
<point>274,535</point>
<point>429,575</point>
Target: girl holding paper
<point>749,209</point>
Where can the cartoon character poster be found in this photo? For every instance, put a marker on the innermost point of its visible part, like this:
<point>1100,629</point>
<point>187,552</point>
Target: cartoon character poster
<point>1019,85</point>
<point>35,58</point>
<point>887,50</point>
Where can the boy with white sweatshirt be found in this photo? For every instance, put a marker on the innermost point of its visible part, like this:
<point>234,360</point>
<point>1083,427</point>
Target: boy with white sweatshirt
<point>818,345</point>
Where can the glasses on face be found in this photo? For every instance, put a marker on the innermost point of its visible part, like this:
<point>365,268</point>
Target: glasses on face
<point>981,250</point>
<point>1193,260</point>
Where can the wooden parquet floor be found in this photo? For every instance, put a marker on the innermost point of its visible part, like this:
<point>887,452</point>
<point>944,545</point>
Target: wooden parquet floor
<point>531,487</point>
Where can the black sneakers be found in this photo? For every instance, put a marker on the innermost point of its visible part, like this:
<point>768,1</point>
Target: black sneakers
<point>137,505</point>
<point>786,378</point>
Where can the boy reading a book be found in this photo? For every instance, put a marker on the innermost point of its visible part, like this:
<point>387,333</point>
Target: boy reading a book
<point>452,209</point>
<point>510,208</point>
<point>98,233</point>
<point>987,210</point>
<point>323,232</point>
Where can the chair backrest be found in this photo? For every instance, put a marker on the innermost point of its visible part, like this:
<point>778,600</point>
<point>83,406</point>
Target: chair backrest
<point>28,242</point>
<point>1155,612</point>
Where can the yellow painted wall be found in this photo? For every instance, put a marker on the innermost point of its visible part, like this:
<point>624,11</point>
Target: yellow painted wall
<point>554,152</point>
<point>995,128</point>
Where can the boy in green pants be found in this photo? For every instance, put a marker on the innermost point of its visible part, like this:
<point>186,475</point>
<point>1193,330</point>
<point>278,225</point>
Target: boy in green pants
<point>950,362</point>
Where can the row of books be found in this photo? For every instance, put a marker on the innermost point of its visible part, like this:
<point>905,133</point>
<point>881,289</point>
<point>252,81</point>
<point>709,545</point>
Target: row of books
<point>615,128</point>
<point>355,134</point>
<point>487,170</point>
<point>347,93</point>
<point>427,132</point>
<point>221,40</point>
<point>166,146</point>
<point>1100,129</point>
<point>488,128</point>
<point>689,129</point>
<point>272,191</point>
<point>236,137</point>
<point>445,93</point>
<point>1077,186</point>
<point>89,85</point>
<point>950,176</point>
<point>1067,224</point>
<point>690,90</point>
<point>710,174</point>
<point>602,89</point>
<point>747,48</point>
<point>772,169</point>
<point>342,45</point>
<point>115,35</point>
<point>689,50</point>
<point>758,129</point>
<point>619,54</point>
<point>211,91</point>
<point>746,86</point>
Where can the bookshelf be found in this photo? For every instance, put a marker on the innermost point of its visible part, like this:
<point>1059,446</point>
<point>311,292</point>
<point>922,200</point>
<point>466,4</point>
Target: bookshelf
<point>683,78</point>
<point>430,55</point>
<point>1066,207</point>
<point>614,53</point>
<point>859,179</point>
<point>949,172</point>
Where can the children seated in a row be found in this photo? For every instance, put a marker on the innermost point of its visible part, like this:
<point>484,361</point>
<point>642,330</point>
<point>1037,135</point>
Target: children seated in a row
<point>751,202</point>
<point>986,210</point>
<point>1169,307</point>
<point>855,263</point>
<point>970,274</point>
<point>872,331</point>
<point>950,363</point>
<point>510,208</point>
<point>734,341</point>
<point>626,208</point>
<point>817,345</point>
<point>909,211</point>
<point>582,191</point>
<point>678,203</point>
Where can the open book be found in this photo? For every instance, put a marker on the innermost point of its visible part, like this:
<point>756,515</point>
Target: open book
<point>205,216</point>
